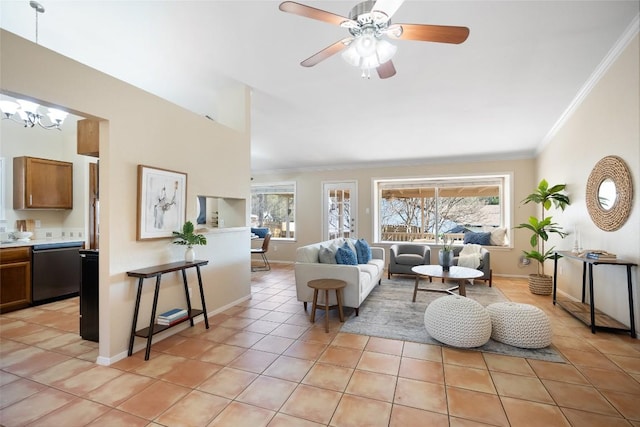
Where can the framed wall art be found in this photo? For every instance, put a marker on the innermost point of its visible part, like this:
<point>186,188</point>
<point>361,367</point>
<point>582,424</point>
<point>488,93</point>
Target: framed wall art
<point>162,197</point>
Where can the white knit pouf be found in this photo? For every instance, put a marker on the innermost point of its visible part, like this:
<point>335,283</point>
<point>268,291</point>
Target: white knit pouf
<point>458,321</point>
<point>519,325</point>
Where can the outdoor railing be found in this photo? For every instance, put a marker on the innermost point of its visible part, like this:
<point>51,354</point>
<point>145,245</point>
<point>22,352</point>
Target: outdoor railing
<point>401,236</point>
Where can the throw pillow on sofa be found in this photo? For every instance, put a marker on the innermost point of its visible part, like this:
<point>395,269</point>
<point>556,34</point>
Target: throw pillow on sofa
<point>363,251</point>
<point>326,256</point>
<point>346,256</point>
<point>477,238</point>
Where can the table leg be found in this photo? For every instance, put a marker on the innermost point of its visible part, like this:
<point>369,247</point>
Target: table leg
<point>591,301</point>
<point>314,305</point>
<point>326,310</point>
<point>584,279</point>
<point>339,298</point>
<point>186,294</point>
<point>632,324</point>
<point>135,316</point>
<point>555,276</point>
<point>153,317</point>
<point>204,305</point>
<point>462,290</point>
<point>415,289</point>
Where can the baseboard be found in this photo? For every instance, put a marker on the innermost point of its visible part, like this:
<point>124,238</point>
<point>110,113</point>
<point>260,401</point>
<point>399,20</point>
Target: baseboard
<point>517,276</point>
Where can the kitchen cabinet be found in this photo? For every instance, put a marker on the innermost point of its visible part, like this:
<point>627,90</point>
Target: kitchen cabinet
<point>88,134</point>
<point>42,184</point>
<point>15,278</point>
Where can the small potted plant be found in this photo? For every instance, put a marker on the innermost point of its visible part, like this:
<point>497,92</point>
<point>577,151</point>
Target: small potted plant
<point>188,237</point>
<point>545,196</point>
<point>445,255</point>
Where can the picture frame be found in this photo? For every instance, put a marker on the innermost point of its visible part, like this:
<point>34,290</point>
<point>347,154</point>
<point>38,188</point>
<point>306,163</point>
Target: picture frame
<point>162,203</point>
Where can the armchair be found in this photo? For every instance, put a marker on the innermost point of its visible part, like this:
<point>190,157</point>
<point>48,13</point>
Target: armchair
<point>402,257</point>
<point>485,263</point>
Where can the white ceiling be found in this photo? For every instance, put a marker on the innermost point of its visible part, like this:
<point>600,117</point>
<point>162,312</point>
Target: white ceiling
<point>498,95</point>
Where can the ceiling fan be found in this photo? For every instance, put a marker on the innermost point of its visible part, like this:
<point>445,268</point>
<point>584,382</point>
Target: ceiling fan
<point>367,23</point>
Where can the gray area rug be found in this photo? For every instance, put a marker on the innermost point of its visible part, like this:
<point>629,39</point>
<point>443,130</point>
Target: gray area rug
<point>388,312</point>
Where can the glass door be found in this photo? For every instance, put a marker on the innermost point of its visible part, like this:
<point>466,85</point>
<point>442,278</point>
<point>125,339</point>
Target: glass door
<point>339,217</point>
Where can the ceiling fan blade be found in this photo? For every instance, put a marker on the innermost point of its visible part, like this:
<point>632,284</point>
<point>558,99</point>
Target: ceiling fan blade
<point>312,12</point>
<point>386,70</point>
<point>431,33</point>
<point>388,7</point>
<point>326,52</point>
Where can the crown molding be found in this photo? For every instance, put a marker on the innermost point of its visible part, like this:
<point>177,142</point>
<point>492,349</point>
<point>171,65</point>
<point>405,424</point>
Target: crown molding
<point>627,36</point>
<point>489,157</point>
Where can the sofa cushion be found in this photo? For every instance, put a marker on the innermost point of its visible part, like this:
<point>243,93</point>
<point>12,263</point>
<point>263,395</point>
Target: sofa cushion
<point>308,253</point>
<point>409,259</point>
<point>363,251</point>
<point>370,270</point>
<point>477,238</point>
<point>326,255</point>
<point>346,256</point>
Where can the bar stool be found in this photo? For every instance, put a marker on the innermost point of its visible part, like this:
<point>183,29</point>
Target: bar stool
<point>326,285</point>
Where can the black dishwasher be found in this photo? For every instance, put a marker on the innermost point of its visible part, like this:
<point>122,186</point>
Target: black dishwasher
<point>89,295</point>
<point>55,271</point>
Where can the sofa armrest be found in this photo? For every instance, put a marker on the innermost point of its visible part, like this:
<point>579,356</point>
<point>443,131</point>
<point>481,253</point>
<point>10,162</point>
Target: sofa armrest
<point>377,253</point>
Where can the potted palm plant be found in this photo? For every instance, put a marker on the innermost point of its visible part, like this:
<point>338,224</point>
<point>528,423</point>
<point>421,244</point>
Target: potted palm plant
<point>188,237</point>
<point>541,228</point>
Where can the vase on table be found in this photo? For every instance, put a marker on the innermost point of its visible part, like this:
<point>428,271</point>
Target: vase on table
<point>445,259</point>
<point>190,254</point>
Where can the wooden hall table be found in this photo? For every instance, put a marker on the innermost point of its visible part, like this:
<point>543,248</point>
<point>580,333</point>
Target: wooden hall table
<point>157,272</point>
<point>461,274</point>
<point>326,285</point>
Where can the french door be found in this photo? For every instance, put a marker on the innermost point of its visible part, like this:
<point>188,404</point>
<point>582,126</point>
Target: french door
<point>340,209</point>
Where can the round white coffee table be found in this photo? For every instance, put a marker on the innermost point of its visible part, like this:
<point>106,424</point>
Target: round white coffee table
<point>461,274</point>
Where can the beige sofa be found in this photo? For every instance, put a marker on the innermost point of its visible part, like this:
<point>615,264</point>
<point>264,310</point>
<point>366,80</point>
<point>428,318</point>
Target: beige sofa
<point>360,278</point>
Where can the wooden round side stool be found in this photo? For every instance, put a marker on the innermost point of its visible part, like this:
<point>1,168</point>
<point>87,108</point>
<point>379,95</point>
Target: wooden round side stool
<point>326,285</point>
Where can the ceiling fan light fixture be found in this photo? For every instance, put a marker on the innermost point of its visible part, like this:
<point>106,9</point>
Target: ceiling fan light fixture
<point>366,44</point>
<point>351,56</point>
<point>368,53</point>
<point>385,51</point>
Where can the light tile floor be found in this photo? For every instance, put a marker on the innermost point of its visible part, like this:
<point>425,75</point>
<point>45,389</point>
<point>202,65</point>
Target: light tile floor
<point>263,364</point>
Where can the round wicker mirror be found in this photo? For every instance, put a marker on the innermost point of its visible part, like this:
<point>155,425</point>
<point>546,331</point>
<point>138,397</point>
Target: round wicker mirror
<point>609,193</point>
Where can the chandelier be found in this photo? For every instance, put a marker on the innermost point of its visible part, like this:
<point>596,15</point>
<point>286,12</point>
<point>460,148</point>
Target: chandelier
<point>27,113</point>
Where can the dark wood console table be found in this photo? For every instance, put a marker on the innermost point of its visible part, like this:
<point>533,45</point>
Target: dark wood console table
<point>157,272</point>
<point>586,312</point>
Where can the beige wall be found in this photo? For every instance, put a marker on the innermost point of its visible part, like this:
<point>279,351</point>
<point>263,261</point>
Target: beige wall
<point>606,123</point>
<point>139,128</point>
<point>309,197</point>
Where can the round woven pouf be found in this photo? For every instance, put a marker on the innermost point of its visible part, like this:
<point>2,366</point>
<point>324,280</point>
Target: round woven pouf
<point>519,325</point>
<point>458,321</point>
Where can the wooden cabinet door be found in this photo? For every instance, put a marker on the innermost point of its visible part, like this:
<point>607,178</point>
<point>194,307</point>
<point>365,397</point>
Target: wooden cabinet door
<point>42,184</point>
<point>15,279</point>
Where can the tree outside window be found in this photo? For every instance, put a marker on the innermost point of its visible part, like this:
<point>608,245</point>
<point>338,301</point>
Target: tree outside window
<point>273,207</point>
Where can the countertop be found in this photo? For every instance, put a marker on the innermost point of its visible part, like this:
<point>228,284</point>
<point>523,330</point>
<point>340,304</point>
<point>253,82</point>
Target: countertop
<point>17,244</point>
